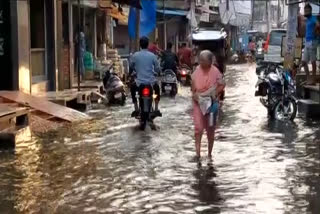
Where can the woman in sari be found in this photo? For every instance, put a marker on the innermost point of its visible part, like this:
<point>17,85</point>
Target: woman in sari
<point>207,84</point>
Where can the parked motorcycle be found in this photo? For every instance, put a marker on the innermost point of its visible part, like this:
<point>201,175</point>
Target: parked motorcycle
<point>185,75</point>
<point>169,82</point>
<point>114,87</point>
<point>277,91</point>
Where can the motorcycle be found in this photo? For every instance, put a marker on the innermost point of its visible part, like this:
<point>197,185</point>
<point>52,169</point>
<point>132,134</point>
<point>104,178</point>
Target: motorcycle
<point>185,75</point>
<point>114,87</point>
<point>146,97</point>
<point>277,91</point>
<point>169,82</point>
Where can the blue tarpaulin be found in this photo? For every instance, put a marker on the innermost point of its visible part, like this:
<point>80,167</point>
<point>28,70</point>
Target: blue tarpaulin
<point>173,12</point>
<point>147,18</point>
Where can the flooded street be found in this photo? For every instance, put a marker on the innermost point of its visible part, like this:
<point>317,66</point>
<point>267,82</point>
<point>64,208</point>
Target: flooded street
<point>109,166</point>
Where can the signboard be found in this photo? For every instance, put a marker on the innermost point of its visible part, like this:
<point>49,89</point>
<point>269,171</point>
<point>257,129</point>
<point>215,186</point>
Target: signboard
<point>297,47</point>
<point>5,47</point>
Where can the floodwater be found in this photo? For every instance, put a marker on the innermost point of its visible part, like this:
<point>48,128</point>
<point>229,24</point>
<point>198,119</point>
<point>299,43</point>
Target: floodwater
<point>109,166</point>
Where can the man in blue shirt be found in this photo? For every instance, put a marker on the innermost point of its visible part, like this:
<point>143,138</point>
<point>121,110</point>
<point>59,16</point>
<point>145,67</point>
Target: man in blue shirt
<point>147,67</point>
<point>311,43</point>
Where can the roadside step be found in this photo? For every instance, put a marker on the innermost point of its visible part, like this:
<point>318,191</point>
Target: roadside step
<point>309,108</point>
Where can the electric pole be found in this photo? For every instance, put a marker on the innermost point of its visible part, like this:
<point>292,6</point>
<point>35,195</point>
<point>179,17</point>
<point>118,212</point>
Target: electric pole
<point>278,15</point>
<point>137,28</point>
<point>291,35</point>
<point>252,13</point>
<point>268,16</point>
<point>164,26</point>
<point>79,37</point>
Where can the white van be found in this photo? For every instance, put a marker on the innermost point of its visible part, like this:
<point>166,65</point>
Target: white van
<point>272,46</point>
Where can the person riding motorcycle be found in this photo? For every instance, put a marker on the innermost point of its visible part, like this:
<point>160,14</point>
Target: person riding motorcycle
<point>146,66</point>
<point>169,59</point>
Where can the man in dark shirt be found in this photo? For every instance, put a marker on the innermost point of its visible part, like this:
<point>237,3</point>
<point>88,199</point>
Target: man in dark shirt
<point>169,59</point>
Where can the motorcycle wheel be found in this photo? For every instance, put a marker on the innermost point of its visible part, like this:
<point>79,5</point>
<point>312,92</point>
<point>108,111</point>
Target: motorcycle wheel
<point>143,121</point>
<point>189,81</point>
<point>163,91</point>
<point>285,110</point>
<point>174,91</point>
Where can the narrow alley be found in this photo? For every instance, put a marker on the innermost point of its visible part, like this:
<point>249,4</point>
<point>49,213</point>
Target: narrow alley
<point>108,166</point>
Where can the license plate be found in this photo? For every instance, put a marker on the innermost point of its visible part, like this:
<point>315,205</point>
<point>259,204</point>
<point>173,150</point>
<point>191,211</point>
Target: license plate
<point>118,95</point>
<point>183,78</point>
<point>168,88</point>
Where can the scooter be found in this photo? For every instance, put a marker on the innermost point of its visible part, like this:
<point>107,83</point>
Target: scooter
<point>169,82</point>
<point>185,75</point>
<point>114,87</point>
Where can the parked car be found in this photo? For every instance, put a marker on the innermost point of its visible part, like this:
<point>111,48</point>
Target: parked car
<point>273,45</point>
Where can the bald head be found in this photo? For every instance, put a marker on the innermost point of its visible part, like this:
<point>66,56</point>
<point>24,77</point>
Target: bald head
<point>206,58</point>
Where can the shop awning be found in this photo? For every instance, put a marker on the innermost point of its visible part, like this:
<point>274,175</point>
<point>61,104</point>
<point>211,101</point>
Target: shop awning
<point>173,12</point>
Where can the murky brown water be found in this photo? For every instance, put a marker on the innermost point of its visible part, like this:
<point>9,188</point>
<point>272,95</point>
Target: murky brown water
<point>108,166</point>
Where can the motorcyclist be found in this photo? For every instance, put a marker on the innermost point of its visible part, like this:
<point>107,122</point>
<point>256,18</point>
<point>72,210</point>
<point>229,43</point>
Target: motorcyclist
<point>146,66</point>
<point>169,59</point>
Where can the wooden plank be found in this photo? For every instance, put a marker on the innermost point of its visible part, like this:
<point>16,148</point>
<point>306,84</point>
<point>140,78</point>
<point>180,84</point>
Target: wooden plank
<point>7,110</point>
<point>313,87</point>
<point>60,95</point>
<point>45,106</point>
<point>89,84</point>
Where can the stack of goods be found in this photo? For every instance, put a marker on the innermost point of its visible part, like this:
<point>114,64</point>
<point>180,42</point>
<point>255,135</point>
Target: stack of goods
<point>89,66</point>
<point>116,60</point>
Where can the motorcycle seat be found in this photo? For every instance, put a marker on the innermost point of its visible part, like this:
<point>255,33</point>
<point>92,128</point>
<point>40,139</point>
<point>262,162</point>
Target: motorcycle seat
<point>266,63</point>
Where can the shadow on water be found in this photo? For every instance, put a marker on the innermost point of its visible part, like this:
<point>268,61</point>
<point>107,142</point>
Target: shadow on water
<point>207,189</point>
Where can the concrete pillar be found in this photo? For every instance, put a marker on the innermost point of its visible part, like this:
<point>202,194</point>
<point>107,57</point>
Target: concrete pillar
<point>71,42</point>
<point>56,54</point>
<point>23,44</point>
<point>59,45</point>
<point>291,35</point>
<point>95,42</point>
